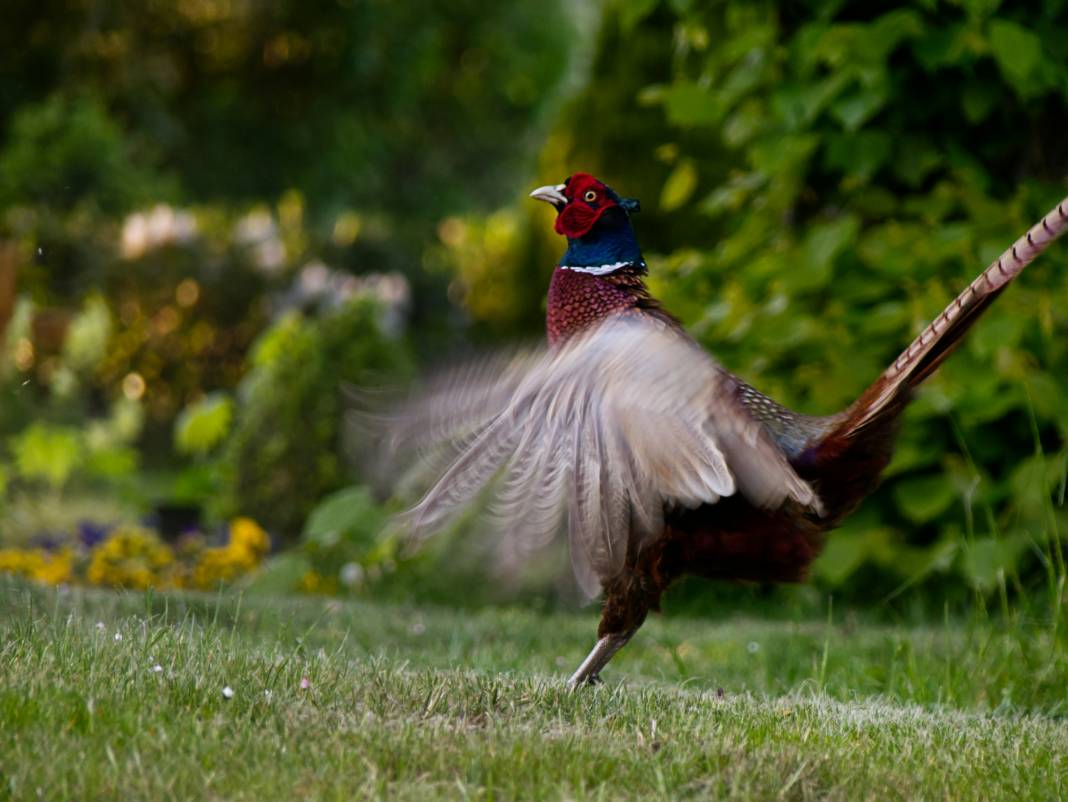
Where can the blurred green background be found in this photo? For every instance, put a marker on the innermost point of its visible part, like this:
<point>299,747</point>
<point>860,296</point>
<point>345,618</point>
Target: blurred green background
<point>214,214</point>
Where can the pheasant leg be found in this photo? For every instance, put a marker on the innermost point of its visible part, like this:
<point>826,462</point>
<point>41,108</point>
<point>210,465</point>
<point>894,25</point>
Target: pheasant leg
<point>589,673</point>
<point>627,601</point>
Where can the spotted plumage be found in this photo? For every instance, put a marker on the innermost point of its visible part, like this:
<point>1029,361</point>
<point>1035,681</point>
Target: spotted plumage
<point>578,299</point>
<point>653,459</point>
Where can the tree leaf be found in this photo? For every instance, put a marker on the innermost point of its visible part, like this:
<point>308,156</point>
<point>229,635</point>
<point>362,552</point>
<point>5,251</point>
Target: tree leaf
<point>1016,49</point>
<point>631,12</point>
<point>349,514</point>
<point>47,452</point>
<point>679,186</point>
<point>984,559</point>
<point>860,154</point>
<point>689,105</point>
<point>857,107</point>
<point>844,553</point>
<point>821,246</point>
<point>850,548</point>
<point>204,424</point>
<point>924,498</point>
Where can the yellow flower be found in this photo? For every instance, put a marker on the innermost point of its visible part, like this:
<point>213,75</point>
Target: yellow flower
<point>38,564</point>
<point>214,566</point>
<point>247,546</point>
<point>22,562</point>
<point>314,582</point>
<point>56,569</point>
<point>248,535</point>
<point>131,557</point>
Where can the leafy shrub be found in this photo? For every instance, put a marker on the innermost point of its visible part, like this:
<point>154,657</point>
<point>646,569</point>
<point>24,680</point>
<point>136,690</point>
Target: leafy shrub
<point>343,530</point>
<point>851,216</point>
<point>99,453</point>
<point>349,546</point>
<point>829,176</point>
<point>66,151</point>
<point>58,435</point>
<point>48,453</point>
<point>285,451</point>
<point>344,547</point>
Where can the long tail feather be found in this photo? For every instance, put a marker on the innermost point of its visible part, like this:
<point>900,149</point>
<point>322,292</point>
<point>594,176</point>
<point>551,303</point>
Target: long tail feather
<point>944,334</point>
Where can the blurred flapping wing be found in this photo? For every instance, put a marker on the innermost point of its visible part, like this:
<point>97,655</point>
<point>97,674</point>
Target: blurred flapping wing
<point>600,436</point>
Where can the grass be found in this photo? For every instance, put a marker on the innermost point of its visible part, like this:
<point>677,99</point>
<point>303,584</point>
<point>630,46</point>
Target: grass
<point>121,696</point>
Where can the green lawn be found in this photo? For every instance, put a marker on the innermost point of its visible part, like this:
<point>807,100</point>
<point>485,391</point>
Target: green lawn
<point>122,696</point>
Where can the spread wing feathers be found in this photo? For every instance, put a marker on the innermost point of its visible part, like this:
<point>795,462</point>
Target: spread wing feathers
<point>602,435</point>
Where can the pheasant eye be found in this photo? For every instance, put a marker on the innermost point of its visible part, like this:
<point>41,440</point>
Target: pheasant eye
<point>590,196</point>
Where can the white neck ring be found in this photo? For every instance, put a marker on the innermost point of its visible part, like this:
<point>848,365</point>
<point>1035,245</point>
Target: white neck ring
<point>600,270</point>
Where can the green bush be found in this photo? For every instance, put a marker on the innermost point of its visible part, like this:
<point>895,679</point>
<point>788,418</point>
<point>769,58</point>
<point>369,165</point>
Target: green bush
<point>367,106</point>
<point>59,434</point>
<point>285,451</point>
<point>343,540</point>
<point>64,152</point>
<point>819,180</point>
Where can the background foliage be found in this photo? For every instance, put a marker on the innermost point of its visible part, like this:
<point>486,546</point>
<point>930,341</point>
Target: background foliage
<point>828,177</point>
<point>818,180</point>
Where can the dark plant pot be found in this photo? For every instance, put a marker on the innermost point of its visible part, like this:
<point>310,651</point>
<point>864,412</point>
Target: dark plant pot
<point>175,519</point>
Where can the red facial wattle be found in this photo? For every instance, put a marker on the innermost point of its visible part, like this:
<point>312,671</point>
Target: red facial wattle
<point>587,199</point>
<point>577,218</point>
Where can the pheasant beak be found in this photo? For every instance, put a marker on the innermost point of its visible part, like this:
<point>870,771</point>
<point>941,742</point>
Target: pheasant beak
<point>551,195</point>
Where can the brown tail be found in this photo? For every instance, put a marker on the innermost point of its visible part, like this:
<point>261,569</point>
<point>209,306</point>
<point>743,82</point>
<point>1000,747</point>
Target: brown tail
<point>944,334</point>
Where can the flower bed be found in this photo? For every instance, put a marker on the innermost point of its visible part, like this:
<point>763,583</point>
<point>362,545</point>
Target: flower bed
<point>136,557</point>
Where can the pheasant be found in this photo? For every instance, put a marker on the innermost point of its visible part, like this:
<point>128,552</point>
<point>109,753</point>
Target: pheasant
<point>656,461</point>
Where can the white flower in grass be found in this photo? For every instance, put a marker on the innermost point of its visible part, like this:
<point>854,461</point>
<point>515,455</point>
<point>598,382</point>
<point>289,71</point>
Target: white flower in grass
<point>100,625</point>
<point>228,692</point>
<point>267,694</point>
<point>157,669</point>
<point>351,575</point>
<point>118,636</point>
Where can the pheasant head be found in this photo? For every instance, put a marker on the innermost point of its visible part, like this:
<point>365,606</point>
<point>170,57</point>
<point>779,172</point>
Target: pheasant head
<point>596,222</point>
<point>600,272</point>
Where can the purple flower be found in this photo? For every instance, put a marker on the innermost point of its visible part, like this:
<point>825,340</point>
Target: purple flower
<point>90,534</point>
<point>47,541</point>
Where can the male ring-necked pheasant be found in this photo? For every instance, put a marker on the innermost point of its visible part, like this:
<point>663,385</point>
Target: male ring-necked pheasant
<point>654,459</point>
